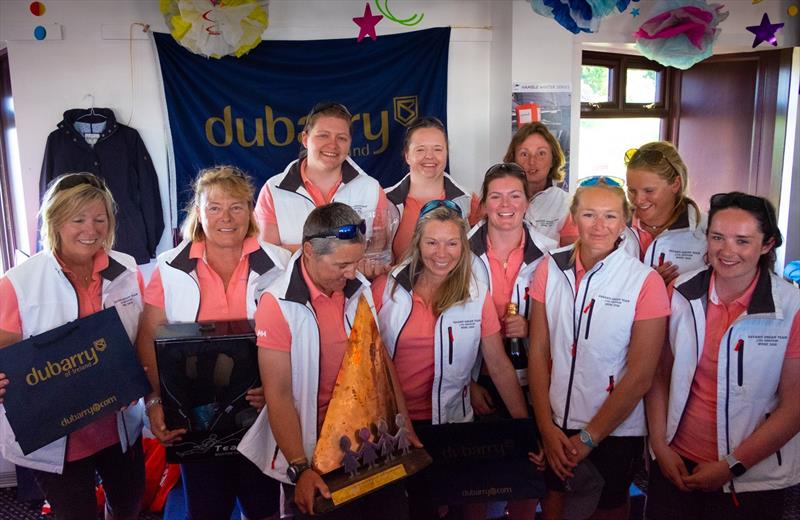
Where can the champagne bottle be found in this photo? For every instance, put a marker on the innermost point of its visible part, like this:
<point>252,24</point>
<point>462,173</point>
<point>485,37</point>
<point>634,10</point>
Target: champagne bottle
<point>516,352</point>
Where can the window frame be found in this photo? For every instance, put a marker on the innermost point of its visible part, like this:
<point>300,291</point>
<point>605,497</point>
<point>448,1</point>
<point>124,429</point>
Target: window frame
<point>8,240</point>
<point>618,65</point>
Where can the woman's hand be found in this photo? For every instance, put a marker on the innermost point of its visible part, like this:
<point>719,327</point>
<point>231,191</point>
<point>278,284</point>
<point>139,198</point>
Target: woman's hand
<point>255,396</point>
<point>372,269</point>
<point>671,465</point>
<point>538,459</point>
<point>558,451</point>
<point>709,476</point>
<point>481,399</point>
<point>515,326</point>
<point>3,385</point>
<point>580,450</point>
<point>667,271</point>
<point>159,427</point>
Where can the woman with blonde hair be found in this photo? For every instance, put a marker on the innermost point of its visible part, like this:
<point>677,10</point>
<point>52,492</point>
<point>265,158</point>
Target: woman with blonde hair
<point>435,318</point>
<point>75,275</point>
<point>598,324</point>
<point>539,154</point>
<point>217,273</point>
<point>667,231</point>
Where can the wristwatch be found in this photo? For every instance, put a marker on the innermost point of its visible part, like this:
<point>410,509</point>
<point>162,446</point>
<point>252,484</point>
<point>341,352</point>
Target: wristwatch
<point>295,469</point>
<point>586,438</point>
<point>736,467</point>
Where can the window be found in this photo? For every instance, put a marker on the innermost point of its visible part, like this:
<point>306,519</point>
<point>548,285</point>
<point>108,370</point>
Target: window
<point>624,103</point>
<point>7,126</point>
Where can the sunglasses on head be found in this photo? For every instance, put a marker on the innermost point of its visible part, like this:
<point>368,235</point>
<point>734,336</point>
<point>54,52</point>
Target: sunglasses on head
<point>76,179</point>
<point>746,202</point>
<point>504,167</point>
<point>440,203</point>
<point>605,179</point>
<point>325,106</point>
<point>346,232</point>
<point>651,157</point>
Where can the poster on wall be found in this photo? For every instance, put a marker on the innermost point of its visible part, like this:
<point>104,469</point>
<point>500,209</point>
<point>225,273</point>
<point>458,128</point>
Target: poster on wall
<point>550,103</point>
<point>250,111</point>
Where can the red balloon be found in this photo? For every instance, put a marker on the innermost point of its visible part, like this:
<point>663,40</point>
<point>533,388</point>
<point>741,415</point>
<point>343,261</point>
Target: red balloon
<point>37,8</point>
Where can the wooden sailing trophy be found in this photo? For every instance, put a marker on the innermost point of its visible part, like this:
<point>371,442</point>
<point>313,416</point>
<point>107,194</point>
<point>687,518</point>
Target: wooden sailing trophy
<point>363,445</point>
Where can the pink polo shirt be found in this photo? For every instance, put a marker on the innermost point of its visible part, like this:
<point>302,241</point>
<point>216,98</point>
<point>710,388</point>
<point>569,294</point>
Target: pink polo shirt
<point>408,222</point>
<point>217,302</point>
<point>569,229</point>
<point>645,237</point>
<point>272,331</point>
<point>98,434</point>
<point>653,301</point>
<point>696,438</point>
<point>414,356</point>
<point>265,206</point>
<point>504,274</point>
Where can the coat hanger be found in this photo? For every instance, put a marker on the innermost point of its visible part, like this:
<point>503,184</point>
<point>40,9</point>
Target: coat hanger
<point>91,116</point>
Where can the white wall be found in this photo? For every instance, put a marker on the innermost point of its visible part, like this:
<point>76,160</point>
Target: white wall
<point>494,43</point>
<point>49,77</point>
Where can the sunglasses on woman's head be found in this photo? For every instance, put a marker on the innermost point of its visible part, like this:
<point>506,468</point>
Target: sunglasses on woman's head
<point>322,107</point>
<point>76,179</point>
<point>505,166</point>
<point>651,157</point>
<point>746,202</point>
<point>346,232</point>
<point>440,203</point>
<point>605,179</point>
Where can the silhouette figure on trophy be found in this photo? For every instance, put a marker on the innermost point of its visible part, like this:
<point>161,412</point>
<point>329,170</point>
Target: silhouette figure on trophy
<point>350,458</point>
<point>385,440</point>
<point>403,444</point>
<point>368,449</point>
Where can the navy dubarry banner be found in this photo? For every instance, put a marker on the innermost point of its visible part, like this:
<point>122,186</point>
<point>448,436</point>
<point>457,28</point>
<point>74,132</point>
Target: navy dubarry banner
<point>249,111</point>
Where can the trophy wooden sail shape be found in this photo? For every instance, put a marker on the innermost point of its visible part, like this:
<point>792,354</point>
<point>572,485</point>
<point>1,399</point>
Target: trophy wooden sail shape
<point>363,396</point>
<point>363,392</point>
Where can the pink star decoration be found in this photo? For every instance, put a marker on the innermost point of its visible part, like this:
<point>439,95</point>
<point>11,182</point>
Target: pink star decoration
<point>367,24</point>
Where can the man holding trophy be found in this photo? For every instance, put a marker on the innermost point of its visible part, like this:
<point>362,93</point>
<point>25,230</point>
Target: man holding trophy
<point>308,330</point>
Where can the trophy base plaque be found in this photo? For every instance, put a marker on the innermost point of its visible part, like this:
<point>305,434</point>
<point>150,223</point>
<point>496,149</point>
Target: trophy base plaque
<point>345,488</point>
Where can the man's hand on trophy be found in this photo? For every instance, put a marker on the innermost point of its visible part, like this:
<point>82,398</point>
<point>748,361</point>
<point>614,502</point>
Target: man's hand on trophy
<point>255,396</point>
<point>307,486</point>
<point>155,411</point>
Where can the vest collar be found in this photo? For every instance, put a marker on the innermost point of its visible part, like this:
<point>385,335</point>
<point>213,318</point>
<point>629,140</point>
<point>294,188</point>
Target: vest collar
<point>113,270</point>
<point>260,262</point>
<point>399,193</point>
<point>182,261</point>
<point>297,290</point>
<point>293,181</point>
<point>479,243</point>
<point>762,301</point>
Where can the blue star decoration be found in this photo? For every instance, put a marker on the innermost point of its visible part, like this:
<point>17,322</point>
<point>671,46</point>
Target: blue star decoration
<point>765,31</point>
<point>635,12</point>
<point>367,24</point>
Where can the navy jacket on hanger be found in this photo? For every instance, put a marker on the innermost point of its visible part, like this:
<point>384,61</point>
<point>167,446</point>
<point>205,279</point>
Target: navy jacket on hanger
<point>121,159</point>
